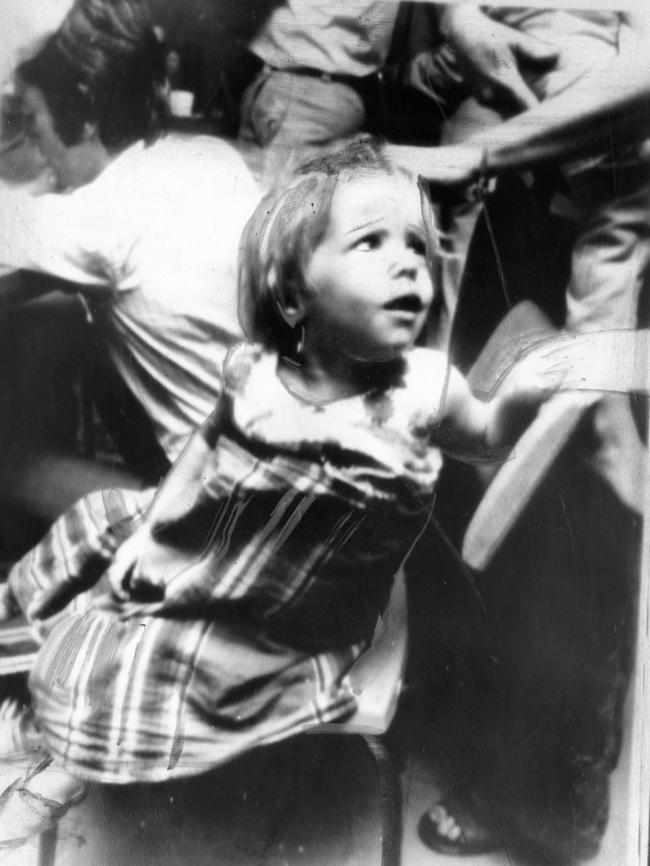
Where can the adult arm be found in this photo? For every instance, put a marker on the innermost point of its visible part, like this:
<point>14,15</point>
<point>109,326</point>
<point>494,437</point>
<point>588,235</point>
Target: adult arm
<point>490,53</point>
<point>609,103</point>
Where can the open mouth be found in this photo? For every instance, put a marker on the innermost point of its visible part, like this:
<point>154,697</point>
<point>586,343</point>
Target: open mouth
<point>406,304</point>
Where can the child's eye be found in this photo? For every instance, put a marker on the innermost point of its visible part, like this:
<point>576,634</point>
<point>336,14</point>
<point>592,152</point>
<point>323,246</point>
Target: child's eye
<point>417,244</point>
<point>368,242</point>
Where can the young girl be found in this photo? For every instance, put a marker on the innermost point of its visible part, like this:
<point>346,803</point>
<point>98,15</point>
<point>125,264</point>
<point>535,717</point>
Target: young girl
<point>234,613</point>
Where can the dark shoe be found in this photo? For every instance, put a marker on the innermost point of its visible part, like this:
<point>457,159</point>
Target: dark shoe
<point>449,828</point>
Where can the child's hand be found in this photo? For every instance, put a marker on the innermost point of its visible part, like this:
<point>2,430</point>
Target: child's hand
<point>531,381</point>
<point>122,571</point>
<point>535,378</point>
<point>614,361</point>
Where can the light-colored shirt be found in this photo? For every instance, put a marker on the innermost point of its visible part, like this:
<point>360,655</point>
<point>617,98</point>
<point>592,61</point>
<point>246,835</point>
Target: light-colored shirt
<point>154,241</point>
<point>344,38</point>
<point>585,39</point>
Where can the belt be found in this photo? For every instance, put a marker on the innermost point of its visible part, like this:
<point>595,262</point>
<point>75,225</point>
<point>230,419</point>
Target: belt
<point>368,87</point>
<point>357,82</point>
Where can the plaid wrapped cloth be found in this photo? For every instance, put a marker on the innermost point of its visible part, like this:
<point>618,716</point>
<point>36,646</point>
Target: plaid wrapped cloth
<point>231,616</point>
<point>64,572</point>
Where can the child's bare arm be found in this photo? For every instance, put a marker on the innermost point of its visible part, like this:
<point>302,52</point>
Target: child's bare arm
<point>475,430</point>
<point>462,423</point>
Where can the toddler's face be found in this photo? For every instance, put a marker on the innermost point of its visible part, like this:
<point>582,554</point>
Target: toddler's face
<point>368,287</point>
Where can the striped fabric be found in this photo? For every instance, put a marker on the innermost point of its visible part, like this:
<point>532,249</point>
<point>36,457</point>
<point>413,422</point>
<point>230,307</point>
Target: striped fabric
<point>248,595</point>
<point>62,573</point>
<point>17,647</point>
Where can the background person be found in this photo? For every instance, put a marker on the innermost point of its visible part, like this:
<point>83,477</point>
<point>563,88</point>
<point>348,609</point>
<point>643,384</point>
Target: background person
<point>498,61</point>
<point>596,103</point>
<point>144,226</point>
<point>318,81</point>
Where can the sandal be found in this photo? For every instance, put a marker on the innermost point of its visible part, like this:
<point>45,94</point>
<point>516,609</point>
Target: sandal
<point>451,829</point>
<point>25,814</point>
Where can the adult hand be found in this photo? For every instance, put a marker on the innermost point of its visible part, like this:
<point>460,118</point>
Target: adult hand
<point>492,55</point>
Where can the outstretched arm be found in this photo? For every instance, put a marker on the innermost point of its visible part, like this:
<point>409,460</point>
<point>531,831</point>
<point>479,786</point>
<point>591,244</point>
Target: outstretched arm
<point>606,361</point>
<point>613,361</point>
<point>490,53</point>
<point>477,431</point>
<point>610,102</point>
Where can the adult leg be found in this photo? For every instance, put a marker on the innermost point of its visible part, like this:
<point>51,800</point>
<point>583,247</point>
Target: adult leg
<point>611,255</point>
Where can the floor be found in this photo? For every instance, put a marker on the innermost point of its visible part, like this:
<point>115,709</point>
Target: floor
<point>309,802</point>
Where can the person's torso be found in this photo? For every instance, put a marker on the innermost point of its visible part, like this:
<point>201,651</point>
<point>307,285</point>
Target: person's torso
<point>173,315</point>
<point>344,38</point>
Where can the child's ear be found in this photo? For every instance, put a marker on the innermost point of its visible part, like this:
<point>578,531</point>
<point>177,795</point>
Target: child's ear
<point>288,298</point>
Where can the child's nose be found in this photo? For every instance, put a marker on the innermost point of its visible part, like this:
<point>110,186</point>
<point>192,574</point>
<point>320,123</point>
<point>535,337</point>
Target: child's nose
<point>406,262</point>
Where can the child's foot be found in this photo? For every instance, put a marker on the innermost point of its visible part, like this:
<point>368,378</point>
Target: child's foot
<point>451,829</point>
<point>35,803</point>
